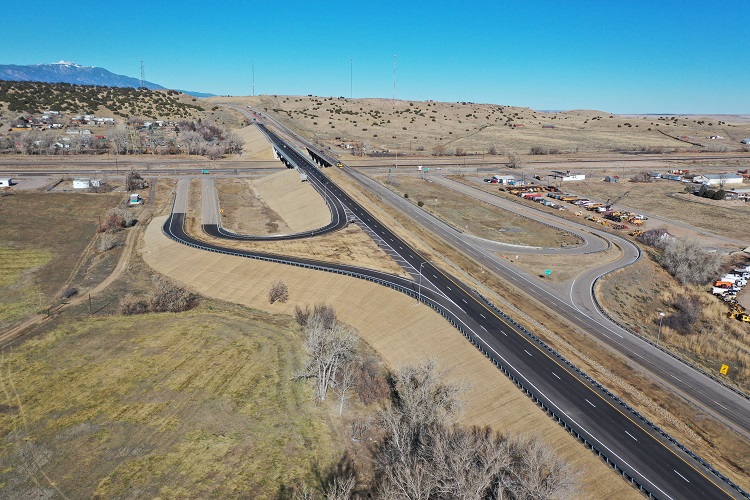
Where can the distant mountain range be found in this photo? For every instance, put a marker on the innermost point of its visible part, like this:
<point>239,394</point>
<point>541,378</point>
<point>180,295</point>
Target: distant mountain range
<point>68,72</point>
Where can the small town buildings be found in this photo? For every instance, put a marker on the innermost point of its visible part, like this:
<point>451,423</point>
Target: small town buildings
<point>718,179</point>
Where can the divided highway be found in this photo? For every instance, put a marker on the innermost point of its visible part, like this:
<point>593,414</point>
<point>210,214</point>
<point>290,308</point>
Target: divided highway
<point>634,447</point>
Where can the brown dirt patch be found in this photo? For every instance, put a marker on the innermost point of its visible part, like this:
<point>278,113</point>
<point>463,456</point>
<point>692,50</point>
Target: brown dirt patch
<point>244,212</point>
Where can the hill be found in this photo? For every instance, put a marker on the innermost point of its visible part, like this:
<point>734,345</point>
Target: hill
<point>379,127</point>
<point>35,97</point>
<point>68,72</point>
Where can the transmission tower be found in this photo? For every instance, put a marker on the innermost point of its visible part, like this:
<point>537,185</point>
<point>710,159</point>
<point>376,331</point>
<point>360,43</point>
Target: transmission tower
<point>143,76</point>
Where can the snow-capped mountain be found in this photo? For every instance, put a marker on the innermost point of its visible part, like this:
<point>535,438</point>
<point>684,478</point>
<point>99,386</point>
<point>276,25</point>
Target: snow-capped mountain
<point>70,72</point>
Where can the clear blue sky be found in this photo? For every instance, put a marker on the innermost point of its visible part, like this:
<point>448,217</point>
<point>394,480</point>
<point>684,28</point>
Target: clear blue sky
<point>627,56</point>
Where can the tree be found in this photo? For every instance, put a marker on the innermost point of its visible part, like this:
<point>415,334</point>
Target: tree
<point>687,261</point>
<point>134,181</point>
<point>330,345</point>
<point>513,161</point>
<point>278,292</point>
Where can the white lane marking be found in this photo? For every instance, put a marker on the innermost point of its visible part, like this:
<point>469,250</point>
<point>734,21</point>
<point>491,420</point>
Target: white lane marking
<point>556,375</point>
<point>674,377</point>
<point>482,327</point>
<point>449,288</point>
<point>592,404</point>
<point>629,434</point>
<point>503,333</point>
<point>464,301</point>
<point>482,315</point>
<point>683,477</point>
<point>527,352</point>
<point>434,276</point>
<point>719,404</point>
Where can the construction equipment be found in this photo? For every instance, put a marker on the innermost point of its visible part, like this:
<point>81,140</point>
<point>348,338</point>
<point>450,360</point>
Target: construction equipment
<point>635,233</point>
<point>608,205</point>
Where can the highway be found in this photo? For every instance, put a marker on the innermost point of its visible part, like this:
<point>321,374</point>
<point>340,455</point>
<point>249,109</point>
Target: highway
<point>578,303</point>
<point>600,420</point>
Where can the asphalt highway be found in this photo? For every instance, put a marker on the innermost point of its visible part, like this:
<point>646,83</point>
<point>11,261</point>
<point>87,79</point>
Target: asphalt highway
<point>600,420</point>
<point>578,304</point>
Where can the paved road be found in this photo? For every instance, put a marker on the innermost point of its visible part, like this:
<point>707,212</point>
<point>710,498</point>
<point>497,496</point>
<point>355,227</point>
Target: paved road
<point>577,304</point>
<point>589,410</point>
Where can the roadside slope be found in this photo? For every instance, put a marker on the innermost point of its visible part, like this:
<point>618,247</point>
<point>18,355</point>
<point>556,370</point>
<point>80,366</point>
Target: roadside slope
<point>391,323</point>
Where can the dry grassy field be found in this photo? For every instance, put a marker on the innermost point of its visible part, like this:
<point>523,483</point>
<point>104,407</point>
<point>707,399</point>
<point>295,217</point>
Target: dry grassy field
<point>426,128</point>
<point>47,244</point>
<point>479,219</point>
<point>201,404</point>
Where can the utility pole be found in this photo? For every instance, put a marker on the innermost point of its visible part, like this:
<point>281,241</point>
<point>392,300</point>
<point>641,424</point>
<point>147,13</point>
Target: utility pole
<point>351,78</point>
<point>143,76</point>
<point>394,77</point>
<point>253,78</point>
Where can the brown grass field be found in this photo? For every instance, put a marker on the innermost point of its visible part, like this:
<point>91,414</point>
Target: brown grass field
<point>479,219</point>
<point>47,244</point>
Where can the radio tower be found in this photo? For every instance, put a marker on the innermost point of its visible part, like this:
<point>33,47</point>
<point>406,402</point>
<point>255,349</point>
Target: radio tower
<point>143,76</point>
<point>394,77</point>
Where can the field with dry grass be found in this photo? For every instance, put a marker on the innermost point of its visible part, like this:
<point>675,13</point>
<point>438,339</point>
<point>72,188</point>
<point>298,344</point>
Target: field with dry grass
<point>445,128</point>
<point>477,218</point>
<point>47,244</point>
<point>198,404</point>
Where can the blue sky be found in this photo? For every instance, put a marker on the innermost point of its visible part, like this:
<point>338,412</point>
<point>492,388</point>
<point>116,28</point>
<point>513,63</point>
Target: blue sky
<point>661,56</point>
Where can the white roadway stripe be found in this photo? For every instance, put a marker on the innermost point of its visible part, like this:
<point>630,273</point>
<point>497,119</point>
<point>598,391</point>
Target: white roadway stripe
<point>556,375</point>
<point>482,315</point>
<point>589,402</point>
<point>629,434</point>
<point>683,477</point>
<point>527,352</point>
<point>482,327</point>
<point>719,404</point>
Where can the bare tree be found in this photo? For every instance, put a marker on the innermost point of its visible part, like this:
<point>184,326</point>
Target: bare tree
<point>328,349</point>
<point>134,181</point>
<point>278,292</point>
<point>687,261</point>
<point>536,471</point>
<point>513,161</point>
<point>343,384</point>
<point>118,141</point>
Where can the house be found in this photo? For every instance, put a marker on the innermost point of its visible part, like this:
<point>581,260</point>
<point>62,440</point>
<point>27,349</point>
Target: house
<point>718,179</point>
<point>6,182</point>
<point>81,183</point>
<point>738,194</point>
<point>611,178</point>
<point>135,199</point>
<point>745,141</point>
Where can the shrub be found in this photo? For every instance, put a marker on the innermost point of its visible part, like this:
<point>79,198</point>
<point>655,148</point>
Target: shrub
<point>686,260</point>
<point>641,177</point>
<point>689,312</point>
<point>420,203</point>
<point>107,241</point>
<point>278,292</point>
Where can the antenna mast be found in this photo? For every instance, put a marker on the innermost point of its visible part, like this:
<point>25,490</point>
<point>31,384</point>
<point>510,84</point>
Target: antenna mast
<point>253,78</point>
<point>143,76</point>
<point>394,77</point>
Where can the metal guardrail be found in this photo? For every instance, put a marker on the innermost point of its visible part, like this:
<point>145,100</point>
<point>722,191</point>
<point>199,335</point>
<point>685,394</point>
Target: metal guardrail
<point>619,401</point>
<point>484,349</point>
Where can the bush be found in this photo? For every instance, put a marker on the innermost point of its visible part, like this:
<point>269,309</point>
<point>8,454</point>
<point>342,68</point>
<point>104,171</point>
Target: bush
<point>689,312</point>
<point>107,241</point>
<point>167,296</point>
<point>420,203</point>
<point>641,177</point>
<point>278,292</point>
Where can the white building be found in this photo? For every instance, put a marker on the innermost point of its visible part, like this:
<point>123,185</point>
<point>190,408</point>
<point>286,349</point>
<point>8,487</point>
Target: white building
<point>504,179</point>
<point>6,182</point>
<point>718,179</point>
<point>81,183</point>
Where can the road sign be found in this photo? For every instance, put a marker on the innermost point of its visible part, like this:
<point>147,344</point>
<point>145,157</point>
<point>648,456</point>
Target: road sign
<point>724,369</point>
<point>547,272</point>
